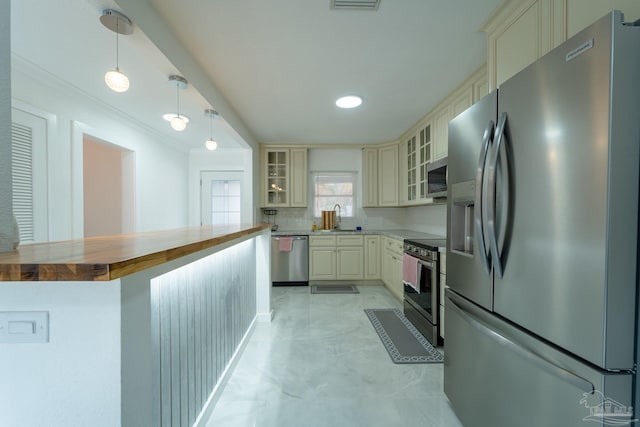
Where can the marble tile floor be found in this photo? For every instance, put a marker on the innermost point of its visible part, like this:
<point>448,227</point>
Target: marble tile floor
<point>320,363</point>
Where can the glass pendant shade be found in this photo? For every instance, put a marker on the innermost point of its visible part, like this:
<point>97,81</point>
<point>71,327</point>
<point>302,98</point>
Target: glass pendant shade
<point>211,144</point>
<point>116,81</point>
<point>119,24</point>
<point>178,123</point>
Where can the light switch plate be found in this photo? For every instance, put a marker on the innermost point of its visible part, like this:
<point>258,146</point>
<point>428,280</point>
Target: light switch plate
<point>24,327</point>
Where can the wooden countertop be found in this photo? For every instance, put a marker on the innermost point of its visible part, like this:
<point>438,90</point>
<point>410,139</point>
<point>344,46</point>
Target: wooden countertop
<point>112,257</point>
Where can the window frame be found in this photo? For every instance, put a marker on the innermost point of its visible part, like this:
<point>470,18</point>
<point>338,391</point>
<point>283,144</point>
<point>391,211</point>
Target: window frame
<point>353,175</point>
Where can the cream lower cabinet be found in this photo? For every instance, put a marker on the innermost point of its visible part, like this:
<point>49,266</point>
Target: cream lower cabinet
<point>336,258</point>
<point>371,257</point>
<point>392,267</point>
<point>322,263</point>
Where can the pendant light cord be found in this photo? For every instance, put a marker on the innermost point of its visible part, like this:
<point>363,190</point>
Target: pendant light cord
<point>178,96</point>
<point>117,44</point>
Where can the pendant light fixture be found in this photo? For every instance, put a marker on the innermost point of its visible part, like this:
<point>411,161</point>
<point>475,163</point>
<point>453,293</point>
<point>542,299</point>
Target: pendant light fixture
<point>211,143</point>
<point>119,24</point>
<point>178,121</point>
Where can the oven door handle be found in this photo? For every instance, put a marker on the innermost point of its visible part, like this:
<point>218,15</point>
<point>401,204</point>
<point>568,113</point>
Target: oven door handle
<point>428,264</point>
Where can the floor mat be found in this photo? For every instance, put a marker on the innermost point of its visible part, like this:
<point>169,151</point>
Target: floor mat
<point>401,339</point>
<point>334,289</point>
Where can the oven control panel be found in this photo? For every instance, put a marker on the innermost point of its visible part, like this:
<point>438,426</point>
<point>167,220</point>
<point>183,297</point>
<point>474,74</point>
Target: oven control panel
<point>418,252</point>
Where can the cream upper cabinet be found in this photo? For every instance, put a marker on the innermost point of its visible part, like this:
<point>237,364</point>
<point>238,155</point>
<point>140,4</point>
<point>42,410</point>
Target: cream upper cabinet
<point>581,13</point>
<point>409,171</point>
<point>521,31</point>
<point>275,177</point>
<point>388,175</point>
<point>480,85</point>
<point>371,257</point>
<point>299,175</point>
<point>415,154</point>
<point>284,177</point>
<point>461,101</point>
<point>370,177</point>
<point>441,126</point>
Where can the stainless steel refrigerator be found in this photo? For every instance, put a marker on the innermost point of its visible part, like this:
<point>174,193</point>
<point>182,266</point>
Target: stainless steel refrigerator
<point>542,246</point>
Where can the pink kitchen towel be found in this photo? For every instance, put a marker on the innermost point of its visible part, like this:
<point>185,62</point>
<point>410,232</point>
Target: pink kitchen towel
<point>286,244</point>
<point>411,272</point>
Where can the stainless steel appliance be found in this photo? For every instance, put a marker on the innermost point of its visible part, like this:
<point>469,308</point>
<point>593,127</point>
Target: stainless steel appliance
<point>421,306</point>
<point>290,267</point>
<point>437,178</point>
<point>542,250</point>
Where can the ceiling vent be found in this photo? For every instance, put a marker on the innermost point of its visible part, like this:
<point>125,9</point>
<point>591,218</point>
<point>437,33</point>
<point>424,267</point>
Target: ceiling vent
<point>355,4</point>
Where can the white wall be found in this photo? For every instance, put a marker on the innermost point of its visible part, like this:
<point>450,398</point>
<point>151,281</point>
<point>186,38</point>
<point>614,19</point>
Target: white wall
<point>7,231</point>
<point>161,170</point>
<point>221,161</point>
<point>74,379</point>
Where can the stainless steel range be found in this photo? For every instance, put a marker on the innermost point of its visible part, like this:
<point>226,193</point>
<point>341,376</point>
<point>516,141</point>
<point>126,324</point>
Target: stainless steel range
<point>421,300</point>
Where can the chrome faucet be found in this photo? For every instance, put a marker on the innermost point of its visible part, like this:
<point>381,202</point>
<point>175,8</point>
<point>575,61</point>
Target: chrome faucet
<point>337,225</point>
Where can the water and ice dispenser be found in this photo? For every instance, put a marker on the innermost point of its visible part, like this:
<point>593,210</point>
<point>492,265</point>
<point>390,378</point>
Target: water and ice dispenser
<point>462,217</point>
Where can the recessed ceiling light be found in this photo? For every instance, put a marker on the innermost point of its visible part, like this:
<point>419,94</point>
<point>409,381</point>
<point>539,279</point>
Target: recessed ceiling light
<point>350,101</point>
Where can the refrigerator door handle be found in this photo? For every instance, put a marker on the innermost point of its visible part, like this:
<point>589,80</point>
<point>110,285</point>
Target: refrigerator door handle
<point>491,195</point>
<point>479,224</point>
<point>535,358</point>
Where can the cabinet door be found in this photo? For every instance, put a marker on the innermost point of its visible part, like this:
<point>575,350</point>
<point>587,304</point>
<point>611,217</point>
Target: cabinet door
<point>397,287</point>
<point>322,263</point>
<point>410,169</point>
<point>425,158</point>
<point>370,177</point>
<point>388,176</point>
<point>298,170</point>
<point>441,125</point>
<point>461,102</point>
<point>350,263</point>
<point>480,87</point>
<point>582,13</point>
<point>387,268</point>
<point>371,257</point>
<point>276,177</point>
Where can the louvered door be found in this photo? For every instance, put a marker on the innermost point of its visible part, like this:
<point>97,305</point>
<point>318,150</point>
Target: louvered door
<point>29,171</point>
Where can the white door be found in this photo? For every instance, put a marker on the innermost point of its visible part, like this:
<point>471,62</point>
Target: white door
<point>29,163</point>
<point>221,197</point>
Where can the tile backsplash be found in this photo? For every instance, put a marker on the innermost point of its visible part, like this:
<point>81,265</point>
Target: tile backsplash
<point>429,219</point>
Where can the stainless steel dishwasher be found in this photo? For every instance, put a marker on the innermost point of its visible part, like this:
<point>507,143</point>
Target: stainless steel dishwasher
<point>290,267</point>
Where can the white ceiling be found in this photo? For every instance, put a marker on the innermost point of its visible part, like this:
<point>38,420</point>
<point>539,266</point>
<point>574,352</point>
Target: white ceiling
<point>280,63</point>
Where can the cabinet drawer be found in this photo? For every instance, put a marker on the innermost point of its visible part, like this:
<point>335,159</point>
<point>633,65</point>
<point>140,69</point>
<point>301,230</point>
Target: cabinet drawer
<point>394,245</point>
<point>350,240</point>
<point>322,240</point>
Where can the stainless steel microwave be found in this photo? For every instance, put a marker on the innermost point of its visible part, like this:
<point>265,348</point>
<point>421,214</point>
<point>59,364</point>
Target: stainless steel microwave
<point>437,178</point>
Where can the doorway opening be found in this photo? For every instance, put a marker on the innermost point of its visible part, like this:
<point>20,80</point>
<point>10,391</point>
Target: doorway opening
<point>108,188</point>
